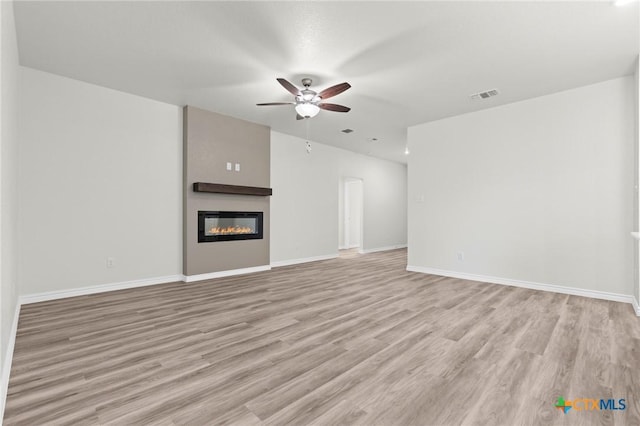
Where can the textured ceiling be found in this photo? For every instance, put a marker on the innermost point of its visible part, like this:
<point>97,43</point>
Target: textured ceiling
<point>407,62</point>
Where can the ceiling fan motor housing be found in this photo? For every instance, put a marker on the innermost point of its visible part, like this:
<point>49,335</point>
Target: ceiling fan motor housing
<point>308,95</point>
<point>307,101</point>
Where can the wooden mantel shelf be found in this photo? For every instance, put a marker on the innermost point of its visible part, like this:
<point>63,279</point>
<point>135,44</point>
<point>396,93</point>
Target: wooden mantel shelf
<point>219,188</point>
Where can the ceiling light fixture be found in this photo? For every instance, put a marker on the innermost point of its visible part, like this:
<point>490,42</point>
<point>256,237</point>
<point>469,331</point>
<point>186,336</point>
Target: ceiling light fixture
<point>307,109</point>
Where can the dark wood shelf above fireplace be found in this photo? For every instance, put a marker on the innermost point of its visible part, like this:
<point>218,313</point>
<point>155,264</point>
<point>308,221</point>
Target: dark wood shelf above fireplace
<point>218,188</point>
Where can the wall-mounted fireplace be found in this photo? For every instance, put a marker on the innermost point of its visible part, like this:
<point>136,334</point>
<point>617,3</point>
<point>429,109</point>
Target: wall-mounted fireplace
<point>229,226</point>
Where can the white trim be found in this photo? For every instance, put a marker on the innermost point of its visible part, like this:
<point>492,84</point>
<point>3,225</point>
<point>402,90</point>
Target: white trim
<point>342,247</point>
<point>636,235</point>
<point>526,284</point>
<point>220,274</point>
<point>83,291</point>
<point>8,359</point>
<point>373,250</point>
<point>636,306</point>
<point>288,262</point>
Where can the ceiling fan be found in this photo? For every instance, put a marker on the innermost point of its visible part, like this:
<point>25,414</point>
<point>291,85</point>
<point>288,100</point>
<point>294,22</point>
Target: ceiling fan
<point>308,102</point>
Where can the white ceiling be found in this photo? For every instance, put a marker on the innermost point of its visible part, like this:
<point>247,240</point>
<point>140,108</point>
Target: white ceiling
<point>407,62</point>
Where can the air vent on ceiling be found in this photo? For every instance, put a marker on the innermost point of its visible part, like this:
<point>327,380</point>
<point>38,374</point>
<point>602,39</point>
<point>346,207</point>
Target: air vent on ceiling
<point>485,95</point>
<point>347,130</point>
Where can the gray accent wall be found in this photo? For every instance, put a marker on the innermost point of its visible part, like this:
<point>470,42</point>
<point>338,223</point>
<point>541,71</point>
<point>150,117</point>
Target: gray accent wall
<point>210,141</point>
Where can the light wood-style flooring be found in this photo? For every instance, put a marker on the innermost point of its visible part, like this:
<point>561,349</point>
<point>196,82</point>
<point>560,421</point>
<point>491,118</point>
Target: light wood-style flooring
<point>350,341</point>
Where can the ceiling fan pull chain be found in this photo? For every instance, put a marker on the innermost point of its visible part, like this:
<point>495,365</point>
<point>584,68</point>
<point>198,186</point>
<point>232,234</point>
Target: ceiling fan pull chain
<point>308,142</point>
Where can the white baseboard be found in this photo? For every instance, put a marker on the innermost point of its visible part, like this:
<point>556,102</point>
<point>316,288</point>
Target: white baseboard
<point>636,306</point>
<point>342,247</point>
<point>221,274</point>
<point>373,250</point>
<point>8,359</point>
<point>527,284</point>
<point>302,260</point>
<point>83,291</point>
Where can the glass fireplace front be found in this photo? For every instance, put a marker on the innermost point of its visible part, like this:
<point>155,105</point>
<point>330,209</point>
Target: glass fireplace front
<point>228,226</point>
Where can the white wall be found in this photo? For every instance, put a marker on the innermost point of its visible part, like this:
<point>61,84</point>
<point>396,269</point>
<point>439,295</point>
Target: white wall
<point>352,216</point>
<point>538,191</point>
<point>341,237</point>
<point>636,181</point>
<point>304,205</point>
<point>100,176</point>
<point>8,186</point>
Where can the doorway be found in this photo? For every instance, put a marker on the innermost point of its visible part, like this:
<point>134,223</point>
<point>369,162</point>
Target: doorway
<point>353,207</point>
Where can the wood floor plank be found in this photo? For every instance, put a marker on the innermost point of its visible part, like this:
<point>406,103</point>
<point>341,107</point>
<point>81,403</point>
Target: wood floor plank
<point>508,381</point>
<point>353,340</point>
<point>625,384</point>
<point>536,337</point>
<point>276,399</point>
<point>418,356</point>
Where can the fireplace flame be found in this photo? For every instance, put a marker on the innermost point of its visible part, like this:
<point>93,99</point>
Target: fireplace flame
<point>230,230</point>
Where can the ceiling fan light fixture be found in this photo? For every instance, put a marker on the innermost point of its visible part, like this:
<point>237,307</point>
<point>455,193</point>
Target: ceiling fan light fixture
<point>307,110</point>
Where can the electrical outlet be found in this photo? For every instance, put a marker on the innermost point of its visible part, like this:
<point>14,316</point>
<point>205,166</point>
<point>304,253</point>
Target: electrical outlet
<point>111,262</point>
<point>237,167</point>
<point>460,256</point>
<point>228,166</point>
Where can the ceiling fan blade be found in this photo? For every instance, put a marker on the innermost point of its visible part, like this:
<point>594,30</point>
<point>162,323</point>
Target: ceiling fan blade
<point>276,103</point>
<point>334,107</point>
<point>299,117</point>
<point>334,90</point>
<point>290,87</point>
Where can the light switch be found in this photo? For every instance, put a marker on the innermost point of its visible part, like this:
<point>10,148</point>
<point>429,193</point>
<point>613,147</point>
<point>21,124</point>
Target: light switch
<point>228,166</point>
<point>237,167</point>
